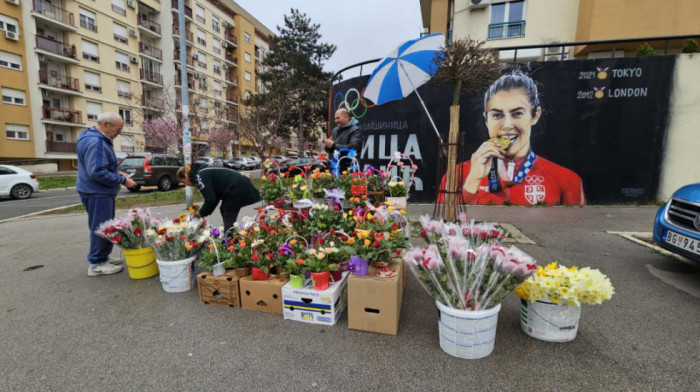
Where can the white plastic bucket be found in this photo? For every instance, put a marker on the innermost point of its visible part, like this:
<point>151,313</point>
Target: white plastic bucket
<point>467,334</point>
<point>397,202</point>
<point>176,276</point>
<point>548,321</point>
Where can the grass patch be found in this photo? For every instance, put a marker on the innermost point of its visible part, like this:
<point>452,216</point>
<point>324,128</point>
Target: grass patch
<point>151,199</point>
<point>257,182</point>
<point>56,182</point>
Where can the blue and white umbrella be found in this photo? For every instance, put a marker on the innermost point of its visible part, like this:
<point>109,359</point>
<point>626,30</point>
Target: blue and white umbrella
<point>405,69</point>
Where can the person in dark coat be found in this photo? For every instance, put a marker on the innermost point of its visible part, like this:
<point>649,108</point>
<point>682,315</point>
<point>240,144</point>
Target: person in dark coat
<point>218,184</point>
<point>346,134</point>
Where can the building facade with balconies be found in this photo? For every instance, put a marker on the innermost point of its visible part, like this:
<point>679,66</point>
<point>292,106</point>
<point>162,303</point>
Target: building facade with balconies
<point>16,128</point>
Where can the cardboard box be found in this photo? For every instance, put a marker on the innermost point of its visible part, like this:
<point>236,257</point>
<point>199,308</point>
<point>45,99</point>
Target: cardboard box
<point>219,290</point>
<point>316,307</point>
<point>374,303</point>
<point>261,295</point>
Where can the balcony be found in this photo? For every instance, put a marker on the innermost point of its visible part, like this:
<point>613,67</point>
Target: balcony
<point>152,103</point>
<point>63,147</point>
<point>121,11</point>
<point>189,37</point>
<point>55,16</point>
<point>201,41</point>
<point>61,82</point>
<point>148,26</point>
<point>232,96</point>
<point>150,50</point>
<point>231,59</point>
<point>507,30</point>
<point>230,38</point>
<point>57,50</point>
<point>190,83</point>
<point>188,59</point>
<point>62,116</point>
<point>231,78</point>
<point>188,10</point>
<point>231,116</point>
<point>153,77</point>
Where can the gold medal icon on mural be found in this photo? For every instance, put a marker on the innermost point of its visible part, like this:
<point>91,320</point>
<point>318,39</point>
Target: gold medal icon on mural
<point>599,92</point>
<point>602,73</point>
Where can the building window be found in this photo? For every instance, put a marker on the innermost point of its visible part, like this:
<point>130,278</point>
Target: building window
<point>14,97</point>
<point>216,45</point>
<point>123,89</point>
<point>217,88</point>
<point>247,57</point>
<point>202,60</point>
<point>92,82</point>
<point>215,24</point>
<point>8,24</point>
<point>246,37</point>
<point>200,14</point>
<point>90,51</point>
<point>202,83</point>
<point>247,76</point>
<point>507,20</point>
<point>118,7</point>
<point>217,67</point>
<point>120,34</point>
<point>122,61</point>
<point>17,132</point>
<point>201,37</point>
<point>93,110</point>
<point>10,60</point>
<point>126,116</point>
<point>88,20</point>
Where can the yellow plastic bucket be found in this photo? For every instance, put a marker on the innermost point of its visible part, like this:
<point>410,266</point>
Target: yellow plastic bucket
<point>141,263</point>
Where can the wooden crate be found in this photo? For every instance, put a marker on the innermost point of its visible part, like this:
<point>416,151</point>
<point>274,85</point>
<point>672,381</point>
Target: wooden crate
<point>219,290</point>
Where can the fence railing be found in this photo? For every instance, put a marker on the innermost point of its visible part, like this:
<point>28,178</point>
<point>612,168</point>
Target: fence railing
<point>64,115</point>
<point>56,47</point>
<point>151,76</point>
<point>59,81</point>
<point>155,103</point>
<point>150,50</point>
<point>53,12</point>
<point>148,23</point>
<point>506,30</point>
<point>64,147</point>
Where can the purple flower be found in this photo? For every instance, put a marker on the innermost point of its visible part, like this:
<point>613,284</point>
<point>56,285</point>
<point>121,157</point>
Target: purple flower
<point>214,233</point>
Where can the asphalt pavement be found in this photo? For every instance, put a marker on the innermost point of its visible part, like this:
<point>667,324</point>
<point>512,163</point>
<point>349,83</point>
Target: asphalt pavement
<point>64,331</point>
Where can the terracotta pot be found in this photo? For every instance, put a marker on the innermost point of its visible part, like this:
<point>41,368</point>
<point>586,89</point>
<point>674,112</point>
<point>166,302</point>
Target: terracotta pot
<point>296,281</point>
<point>259,274</point>
<point>241,272</point>
<point>321,280</point>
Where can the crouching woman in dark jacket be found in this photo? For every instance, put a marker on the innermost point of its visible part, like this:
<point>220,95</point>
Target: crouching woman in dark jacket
<point>233,189</point>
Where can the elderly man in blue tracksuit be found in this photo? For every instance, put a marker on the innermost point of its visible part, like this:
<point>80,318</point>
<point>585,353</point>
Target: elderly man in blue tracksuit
<point>98,183</point>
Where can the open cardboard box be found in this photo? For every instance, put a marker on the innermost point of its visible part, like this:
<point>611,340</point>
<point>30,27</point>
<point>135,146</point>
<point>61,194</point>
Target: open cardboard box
<point>316,307</point>
<point>374,303</point>
<point>219,290</point>
<point>261,295</point>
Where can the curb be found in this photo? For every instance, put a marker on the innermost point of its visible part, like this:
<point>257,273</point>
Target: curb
<point>633,236</point>
<point>55,189</point>
<point>38,213</point>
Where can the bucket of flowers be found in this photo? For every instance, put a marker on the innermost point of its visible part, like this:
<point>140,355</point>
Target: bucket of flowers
<point>290,257</point>
<point>215,253</point>
<point>129,234</point>
<point>551,300</point>
<point>317,260</point>
<point>468,283</point>
<point>176,243</point>
<point>321,180</point>
<point>396,191</point>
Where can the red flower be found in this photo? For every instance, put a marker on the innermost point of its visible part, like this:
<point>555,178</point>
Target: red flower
<point>176,220</point>
<point>204,223</point>
<point>398,251</point>
<point>182,238</point>
<point>423,233</point>
<point>138,231</point>
<point>332,230</point>
<point>162,231</point>
<point>118,239</point>
<point>169,238</point>
<point>394,226</point>
<point>255,258</point>
<point>377,244</point>
<point>270,255</point>
<point>321,241</point>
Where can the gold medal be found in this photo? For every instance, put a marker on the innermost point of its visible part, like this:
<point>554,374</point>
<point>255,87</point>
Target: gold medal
<point>502,142</point>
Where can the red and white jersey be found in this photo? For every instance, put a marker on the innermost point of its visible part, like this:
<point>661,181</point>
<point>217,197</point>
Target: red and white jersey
<point>546,183</point>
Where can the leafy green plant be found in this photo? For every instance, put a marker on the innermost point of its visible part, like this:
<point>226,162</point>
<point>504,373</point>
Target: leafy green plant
<point>645,50</point>
<point>691,46</point>
<point>320,181</point>
<point>272,188</point>
<point>317,259</point>
<point>396,189</point>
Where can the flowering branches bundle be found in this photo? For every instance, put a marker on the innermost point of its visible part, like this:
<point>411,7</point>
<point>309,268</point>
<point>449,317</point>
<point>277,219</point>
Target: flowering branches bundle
<point>178,239</point>
<point>566,286</point>
<point>128,232</point>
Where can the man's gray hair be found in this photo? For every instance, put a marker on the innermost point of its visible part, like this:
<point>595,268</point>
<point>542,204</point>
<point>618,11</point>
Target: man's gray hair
<point>109,118</point>
<point>344,111</point>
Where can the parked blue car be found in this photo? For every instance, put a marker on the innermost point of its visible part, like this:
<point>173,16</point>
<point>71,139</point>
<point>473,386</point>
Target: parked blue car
<point>677,223</point>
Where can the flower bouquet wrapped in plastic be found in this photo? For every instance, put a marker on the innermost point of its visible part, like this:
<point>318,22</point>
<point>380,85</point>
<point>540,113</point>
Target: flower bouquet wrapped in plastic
<point>178,239</point>
<point>129,232</point>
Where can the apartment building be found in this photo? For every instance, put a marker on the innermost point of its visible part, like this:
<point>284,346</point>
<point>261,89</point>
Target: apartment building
<point>17,132</point>
<point>78,58</point>
<point>531,22</point>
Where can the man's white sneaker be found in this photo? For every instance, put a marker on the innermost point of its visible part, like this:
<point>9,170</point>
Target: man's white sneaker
<point>104,269</point>
<point>114,261</point>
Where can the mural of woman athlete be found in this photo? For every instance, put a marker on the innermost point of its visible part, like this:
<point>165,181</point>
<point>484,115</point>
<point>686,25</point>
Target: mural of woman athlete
<point>505,168</point>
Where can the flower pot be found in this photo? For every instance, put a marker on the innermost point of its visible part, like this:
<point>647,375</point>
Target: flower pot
<point>358,266</point>
<point>218,269</point>
<point>467,334</point>
<point>176,276</point>
<point>381,264</point>
<point>141,263</point>
<point>344,265</point>
<point>296,281</point>
<point>321,280</point>
<point>259,274</point>
<point>375,197</point>
<point>241,272</point>
<point>545,320</point>
<point>337,276</point>
<point>397,202</point>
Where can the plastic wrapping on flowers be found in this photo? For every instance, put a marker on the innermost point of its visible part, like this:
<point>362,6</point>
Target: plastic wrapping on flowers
<point>467,272</point>
<point>178,239</point>
<point>129,232</point>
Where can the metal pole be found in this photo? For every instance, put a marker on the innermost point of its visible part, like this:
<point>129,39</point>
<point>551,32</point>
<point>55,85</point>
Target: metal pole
<point>184,97</point>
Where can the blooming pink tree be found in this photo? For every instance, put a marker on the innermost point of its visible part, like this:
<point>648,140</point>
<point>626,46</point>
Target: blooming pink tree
<point>163,134</point>
<point>222,137</point>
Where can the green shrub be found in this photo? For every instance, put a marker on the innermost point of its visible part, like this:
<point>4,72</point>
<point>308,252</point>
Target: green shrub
<point>691,46</point>
<point>645,50</point>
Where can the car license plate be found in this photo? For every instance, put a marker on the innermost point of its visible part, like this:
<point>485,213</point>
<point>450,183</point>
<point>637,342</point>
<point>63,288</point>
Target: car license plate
<point>681,241</point>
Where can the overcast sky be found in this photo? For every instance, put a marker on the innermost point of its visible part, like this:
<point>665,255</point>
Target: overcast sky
<point>361,29</point>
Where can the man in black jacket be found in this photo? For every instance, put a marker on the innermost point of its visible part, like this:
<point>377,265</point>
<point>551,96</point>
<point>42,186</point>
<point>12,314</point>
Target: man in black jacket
<point>346,134</point>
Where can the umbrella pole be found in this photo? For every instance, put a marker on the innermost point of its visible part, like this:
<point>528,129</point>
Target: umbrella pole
<point>422,103</point>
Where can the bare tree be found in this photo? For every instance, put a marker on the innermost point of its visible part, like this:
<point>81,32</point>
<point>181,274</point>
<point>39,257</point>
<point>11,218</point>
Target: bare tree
<point>264,123</point>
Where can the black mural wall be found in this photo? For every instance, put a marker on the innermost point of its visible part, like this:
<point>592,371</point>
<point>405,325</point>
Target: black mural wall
<point>605,119</point>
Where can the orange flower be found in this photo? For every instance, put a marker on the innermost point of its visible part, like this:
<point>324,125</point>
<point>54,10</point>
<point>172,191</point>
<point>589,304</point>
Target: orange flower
<point>351,240</point>
<point>242,244</point>
<point>230,248</point>
<point>293,242</point>
<point>211,246</point>
<point>300,261</point>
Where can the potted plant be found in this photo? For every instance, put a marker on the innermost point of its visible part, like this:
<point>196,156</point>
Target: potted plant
<point>297,268</point>
<point>375,185</point>
<point>319,266</point>
<point>324,219</point>
<point>129,234</point>
<point>240,254</point>
<point>288,252</point>
<point>260,261</point>
<point>551,300</point>
<point>396,194</point>
<point>272,190</point>
<point>215,253</point>
<point>367,246</point>
<point>321,180</point>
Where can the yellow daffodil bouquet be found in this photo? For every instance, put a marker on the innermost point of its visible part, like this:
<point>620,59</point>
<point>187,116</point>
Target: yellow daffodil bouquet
<point>566,286</point>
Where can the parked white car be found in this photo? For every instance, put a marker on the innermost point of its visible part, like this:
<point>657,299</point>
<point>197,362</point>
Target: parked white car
<point>17,182</point>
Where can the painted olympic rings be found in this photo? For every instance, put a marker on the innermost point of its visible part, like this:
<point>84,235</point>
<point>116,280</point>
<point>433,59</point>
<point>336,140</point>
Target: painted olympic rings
<point>352,100</point>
